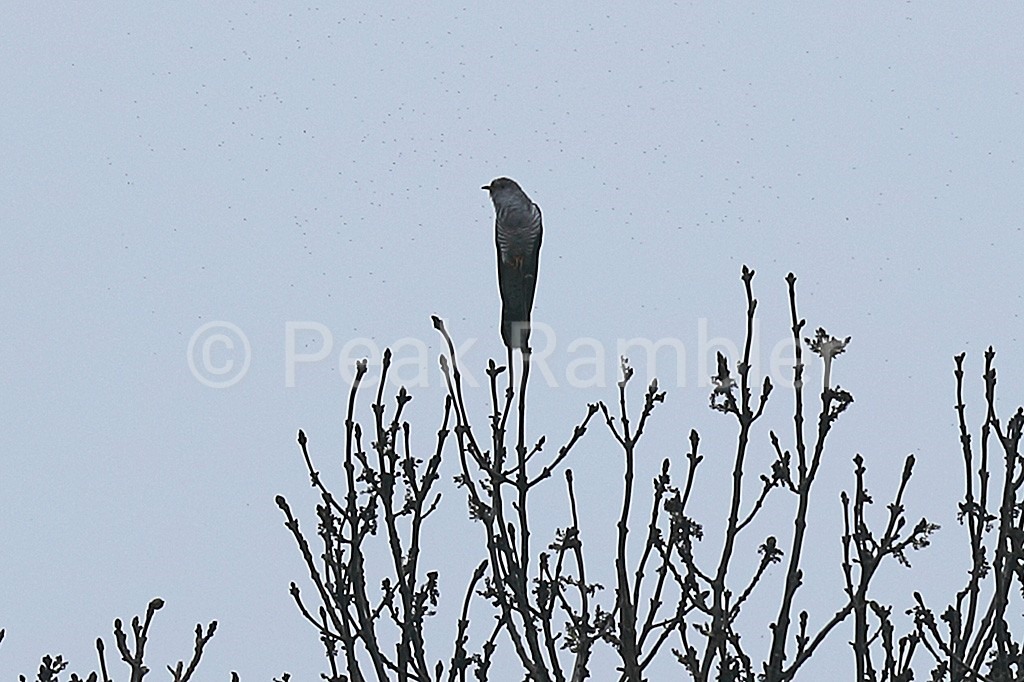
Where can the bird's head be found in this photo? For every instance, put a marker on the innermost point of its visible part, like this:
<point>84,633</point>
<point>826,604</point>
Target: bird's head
<point>505,190</point>
<point>500,186</point>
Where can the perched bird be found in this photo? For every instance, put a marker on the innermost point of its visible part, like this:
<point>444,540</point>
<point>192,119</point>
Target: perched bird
<point>517,234</point>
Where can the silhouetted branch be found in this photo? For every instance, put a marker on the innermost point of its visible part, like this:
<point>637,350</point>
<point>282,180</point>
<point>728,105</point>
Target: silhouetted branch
<point>978,635</point>
<point>393,490</point>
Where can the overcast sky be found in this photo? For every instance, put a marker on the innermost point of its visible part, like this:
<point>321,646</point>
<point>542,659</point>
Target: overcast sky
<point>308,179</point>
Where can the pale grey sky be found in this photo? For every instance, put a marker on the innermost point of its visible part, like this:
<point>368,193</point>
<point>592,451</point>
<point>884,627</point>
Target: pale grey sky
<point>164,167</point>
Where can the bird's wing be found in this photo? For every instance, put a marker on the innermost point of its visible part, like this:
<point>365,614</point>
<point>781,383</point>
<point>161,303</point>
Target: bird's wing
<point>531,264</point>
<point>513,298</point>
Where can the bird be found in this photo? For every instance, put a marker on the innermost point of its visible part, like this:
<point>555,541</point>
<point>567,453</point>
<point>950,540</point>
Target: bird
<point>517,236</point>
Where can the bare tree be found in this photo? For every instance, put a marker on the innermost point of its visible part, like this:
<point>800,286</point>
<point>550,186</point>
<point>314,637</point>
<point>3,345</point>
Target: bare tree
<point>667,604</point>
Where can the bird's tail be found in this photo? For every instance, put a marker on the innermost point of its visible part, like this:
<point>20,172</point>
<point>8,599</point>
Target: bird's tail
<point>516,306</point>
<point>515,328</point>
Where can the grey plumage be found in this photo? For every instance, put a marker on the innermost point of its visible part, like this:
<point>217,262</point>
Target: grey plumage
<point>517,236</point>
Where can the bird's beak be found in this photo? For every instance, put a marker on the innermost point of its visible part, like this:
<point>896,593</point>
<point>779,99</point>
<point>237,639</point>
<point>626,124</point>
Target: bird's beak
<point>486,187</point>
